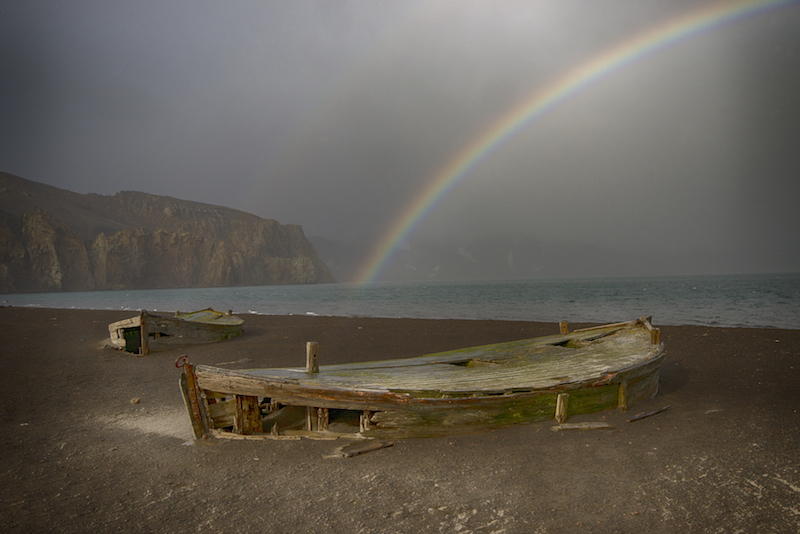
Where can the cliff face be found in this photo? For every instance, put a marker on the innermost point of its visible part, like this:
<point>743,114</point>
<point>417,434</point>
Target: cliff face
<point>56,240</point>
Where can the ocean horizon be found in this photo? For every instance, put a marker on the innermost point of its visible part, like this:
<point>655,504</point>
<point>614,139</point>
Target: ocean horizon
<point>758,301</point>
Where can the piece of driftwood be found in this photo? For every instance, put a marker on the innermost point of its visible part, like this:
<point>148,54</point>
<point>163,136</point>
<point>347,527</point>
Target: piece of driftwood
<point>354,449</point>
<point>460,391</point>
<point>326,435</point>
<point>581,426</point>
<point>647,414</point>
<point>252,437</point>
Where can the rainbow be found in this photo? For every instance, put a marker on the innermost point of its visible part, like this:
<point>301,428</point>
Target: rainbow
<point>545,100</point>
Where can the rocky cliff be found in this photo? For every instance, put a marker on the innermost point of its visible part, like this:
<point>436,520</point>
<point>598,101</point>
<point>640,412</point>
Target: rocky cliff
<point>56,240</point>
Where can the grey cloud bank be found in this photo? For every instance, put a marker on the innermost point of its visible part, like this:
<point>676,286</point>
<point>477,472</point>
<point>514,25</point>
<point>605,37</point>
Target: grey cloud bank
<point>336,116</point>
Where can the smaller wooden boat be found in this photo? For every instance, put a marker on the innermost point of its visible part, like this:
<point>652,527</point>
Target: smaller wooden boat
<point>146,331</point>
<point>460,391</point>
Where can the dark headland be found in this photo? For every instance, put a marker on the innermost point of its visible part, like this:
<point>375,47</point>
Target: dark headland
<point>94,439</point>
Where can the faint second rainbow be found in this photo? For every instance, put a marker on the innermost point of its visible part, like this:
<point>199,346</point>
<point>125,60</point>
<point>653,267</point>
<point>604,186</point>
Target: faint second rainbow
<point>541,102</point>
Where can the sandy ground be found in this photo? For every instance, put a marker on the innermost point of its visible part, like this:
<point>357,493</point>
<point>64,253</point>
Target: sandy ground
<point>77,455</point>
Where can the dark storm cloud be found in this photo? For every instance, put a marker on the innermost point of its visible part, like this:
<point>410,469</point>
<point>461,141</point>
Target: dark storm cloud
<point>336,115</point>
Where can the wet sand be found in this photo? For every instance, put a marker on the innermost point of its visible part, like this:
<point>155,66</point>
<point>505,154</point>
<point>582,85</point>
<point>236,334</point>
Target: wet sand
<point>77,455</point>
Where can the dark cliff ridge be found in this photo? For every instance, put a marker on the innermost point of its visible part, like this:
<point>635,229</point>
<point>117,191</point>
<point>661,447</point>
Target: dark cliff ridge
<point>56,240</point>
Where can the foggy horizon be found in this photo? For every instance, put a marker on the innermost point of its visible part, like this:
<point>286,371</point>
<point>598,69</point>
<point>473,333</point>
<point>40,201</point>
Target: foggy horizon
<point>337,117</point>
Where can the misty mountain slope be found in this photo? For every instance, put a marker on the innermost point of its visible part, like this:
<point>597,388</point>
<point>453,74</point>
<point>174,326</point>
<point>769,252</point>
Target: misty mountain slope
<point>53,240</point>
<point>493,258</point>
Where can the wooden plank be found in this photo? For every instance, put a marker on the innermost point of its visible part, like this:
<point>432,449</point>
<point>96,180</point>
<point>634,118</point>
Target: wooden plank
<point>600,327</point>
<point>252,437</point>
<point>222,412</point>
<point>194,415</point>
<point>562,405</point>
<point>581,426</point>
<point>199,418</point>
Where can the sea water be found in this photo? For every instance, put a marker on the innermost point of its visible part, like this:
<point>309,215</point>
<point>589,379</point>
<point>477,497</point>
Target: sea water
<point>771,300</point>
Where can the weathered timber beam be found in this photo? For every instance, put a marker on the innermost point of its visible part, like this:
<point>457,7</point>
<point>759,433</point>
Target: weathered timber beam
<point>248,415</point>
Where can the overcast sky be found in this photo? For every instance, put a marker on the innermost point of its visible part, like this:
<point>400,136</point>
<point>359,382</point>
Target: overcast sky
<point>335,115</point>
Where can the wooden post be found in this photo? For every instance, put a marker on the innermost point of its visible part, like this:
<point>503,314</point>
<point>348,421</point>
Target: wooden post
<point>310,418</point>
<point>322,419</point>
<point>177,313</point>
<point>311,357</point>
<point>143,349</point>
<point>622,396</point>
<point>655,333</point>
<point>561,407</point>
<point>564,326</point>
<point>248,415</point>
<point>363,421</point>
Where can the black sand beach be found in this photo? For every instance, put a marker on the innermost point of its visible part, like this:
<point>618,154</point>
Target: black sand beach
<point>76,454</point>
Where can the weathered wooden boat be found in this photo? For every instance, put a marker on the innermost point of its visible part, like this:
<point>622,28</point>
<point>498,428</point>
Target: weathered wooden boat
<point>148,331</point>
<point>460,391</point>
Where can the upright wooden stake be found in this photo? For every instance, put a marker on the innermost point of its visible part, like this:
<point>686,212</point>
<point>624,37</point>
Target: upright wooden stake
<point>310,418</point>
<point>655,336</point>
<point>322,419</point>
<point>363,421</point>
<point>311,357</point>
<point>564,326</point>
<point>561,407</point>
<point>622,396</point>
<point>143,349</point>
